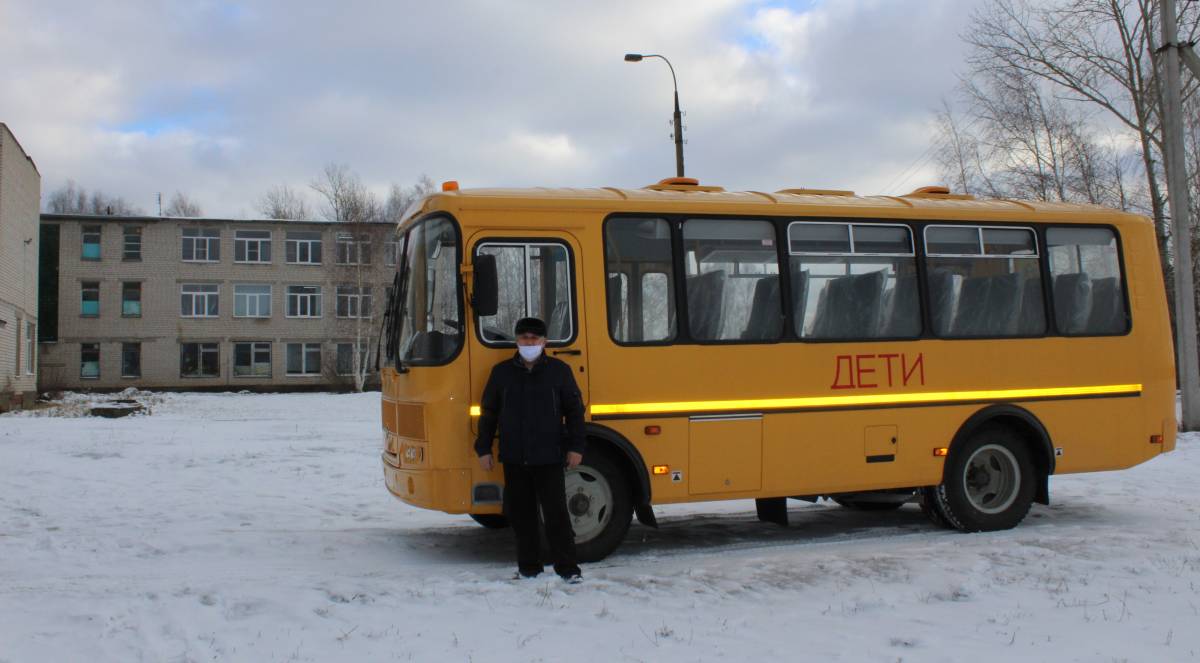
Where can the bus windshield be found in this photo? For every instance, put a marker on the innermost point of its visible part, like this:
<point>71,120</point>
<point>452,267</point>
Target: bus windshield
<point>430,313</point>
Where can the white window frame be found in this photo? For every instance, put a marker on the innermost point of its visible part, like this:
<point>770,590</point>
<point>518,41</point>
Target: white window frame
<point>194,291</point>
<point>99,357</point>
<point>201,237</point>
<point>307,245</point>
<point>30,347</point>
<point>255,348</point>
<point>127,233</point>
<point>982,248</point>
<point>337,351</point>
<point>356,246</point>
<point>252,238</point>
<point>354,302</point>
<point>308,371</point>
<point>311,297</point>
<point>201,350</point>
<point>255,297</point>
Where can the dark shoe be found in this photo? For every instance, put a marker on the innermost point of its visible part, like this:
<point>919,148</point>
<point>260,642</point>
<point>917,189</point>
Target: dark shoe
<point>525,574</point>
<point>573,578</point>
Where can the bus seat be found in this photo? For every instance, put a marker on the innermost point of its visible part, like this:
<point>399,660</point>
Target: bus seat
<point>615,311</point>
<point>988,306</point>
<point>944,287</point>
<point>766,319</point>
<point>901,309</point>
<point>428,346</point>
<point>849,307</point>
<point>705,298</point>
<point>1072,302</point>
<point>1033,309</point>
<point>1108,311</point>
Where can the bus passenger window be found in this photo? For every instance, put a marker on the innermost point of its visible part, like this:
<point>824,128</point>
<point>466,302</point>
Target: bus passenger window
<point>852,281</point>
<point>638,251</point>
<point>1087,294</point>
<point>984,282</point>
<point>534,281</point>
<point>732,280</point>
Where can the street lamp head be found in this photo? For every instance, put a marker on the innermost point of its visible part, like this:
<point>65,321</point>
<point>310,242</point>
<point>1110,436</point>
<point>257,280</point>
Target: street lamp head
<point>633,57</point>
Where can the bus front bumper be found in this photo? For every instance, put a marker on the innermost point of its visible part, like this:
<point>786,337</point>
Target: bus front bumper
<point>441,490</point>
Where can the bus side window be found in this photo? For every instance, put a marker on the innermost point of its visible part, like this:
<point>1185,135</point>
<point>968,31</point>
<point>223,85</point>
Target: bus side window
<point>984,282</point>
<point>1087,293</point>
<point>853,281</point>
<point>640,282</point>
<point>732,280</point>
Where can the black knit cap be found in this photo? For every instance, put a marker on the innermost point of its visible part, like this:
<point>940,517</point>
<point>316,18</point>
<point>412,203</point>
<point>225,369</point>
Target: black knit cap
<point>531,326</point>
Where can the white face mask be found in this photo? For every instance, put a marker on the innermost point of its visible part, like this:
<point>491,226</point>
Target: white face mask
<point>530,352</point>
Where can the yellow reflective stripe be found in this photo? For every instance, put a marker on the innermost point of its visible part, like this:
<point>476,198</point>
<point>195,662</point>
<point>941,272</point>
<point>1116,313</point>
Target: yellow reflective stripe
<point>863,399</point>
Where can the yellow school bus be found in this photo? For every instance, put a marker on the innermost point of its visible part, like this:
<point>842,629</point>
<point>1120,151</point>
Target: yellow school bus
<point>808,344</point>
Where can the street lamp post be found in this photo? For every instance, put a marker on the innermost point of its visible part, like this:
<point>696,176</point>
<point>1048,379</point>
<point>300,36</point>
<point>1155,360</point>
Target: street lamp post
<point>637,57</point>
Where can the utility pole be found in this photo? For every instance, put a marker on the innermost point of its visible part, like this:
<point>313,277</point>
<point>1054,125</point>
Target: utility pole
<point>1177,196</point>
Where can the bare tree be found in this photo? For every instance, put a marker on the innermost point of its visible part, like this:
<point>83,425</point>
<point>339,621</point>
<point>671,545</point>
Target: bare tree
<point>71,198</point>
<point>181,205</point>
<point>349,203</point>
<point>283,202</point>
<point>400,198</point>
<point>1099,52</point>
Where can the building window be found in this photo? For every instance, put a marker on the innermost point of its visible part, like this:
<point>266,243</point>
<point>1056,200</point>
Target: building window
<point>131,360</point>
<point>198,300</point>
<point>390,250</point>
<point>352,250</point>
<point>131,299</point>
<point>252,246</point>
<point>89,306</point>
<point>303,247</point>
<point>199,360</point>
<point>984,282</point>
<point>30,346</point>
<point>251,300</point>
<point>16,366</point>
<point>303,358</point>
<point>91,243</point>
<point>133,243</point>
<point>345,357</point>
<point>252,360</point>
<point>89,360</point>
<point>353,301</point>
<point>304,301</point>
<point>201,244</point>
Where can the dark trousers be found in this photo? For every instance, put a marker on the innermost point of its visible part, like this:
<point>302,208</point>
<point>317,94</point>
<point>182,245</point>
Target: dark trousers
<point>525,488</point>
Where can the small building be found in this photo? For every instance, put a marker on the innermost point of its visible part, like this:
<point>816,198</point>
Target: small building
<point>20,198</point>
<point>201,303</point>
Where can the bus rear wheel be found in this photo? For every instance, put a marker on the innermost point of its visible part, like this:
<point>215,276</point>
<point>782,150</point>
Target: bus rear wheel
<point>599,504</point>
<point>490,520</point>
<point>988,483</point>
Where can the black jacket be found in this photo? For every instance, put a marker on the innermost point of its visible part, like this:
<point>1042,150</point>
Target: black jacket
<point>530,406</point>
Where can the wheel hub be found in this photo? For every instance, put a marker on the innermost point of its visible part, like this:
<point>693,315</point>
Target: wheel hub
<point>578,504</point>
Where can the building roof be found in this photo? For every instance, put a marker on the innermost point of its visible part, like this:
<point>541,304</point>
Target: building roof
<point>125,218</point>
<point>23,152</point>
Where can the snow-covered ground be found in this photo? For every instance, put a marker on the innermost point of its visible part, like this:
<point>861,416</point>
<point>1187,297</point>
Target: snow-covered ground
<point>257,528</point>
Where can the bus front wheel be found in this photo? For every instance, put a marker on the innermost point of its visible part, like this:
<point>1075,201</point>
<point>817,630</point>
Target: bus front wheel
<point>988,482</point>
<point>599,504</point>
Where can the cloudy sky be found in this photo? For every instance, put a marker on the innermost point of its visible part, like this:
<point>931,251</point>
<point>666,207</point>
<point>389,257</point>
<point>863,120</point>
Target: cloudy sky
<point>222,100</point>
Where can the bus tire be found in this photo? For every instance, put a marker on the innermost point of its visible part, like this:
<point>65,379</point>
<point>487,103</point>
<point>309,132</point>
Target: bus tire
<point>989,481</point>
<point>599,504</point>
<point>490,520</point>
<point>861,505</point>
<point>931,509</point>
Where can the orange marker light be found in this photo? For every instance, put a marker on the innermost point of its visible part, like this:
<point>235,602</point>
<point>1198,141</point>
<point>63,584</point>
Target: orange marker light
<point>941,451</point>
<point>652,430</point>
<point>450,185</point>
<point>1156,439</point>
<point>661,469</point>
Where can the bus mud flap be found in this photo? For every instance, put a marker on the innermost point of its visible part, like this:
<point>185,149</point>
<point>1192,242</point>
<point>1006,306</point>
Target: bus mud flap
<point>645,515</point>
<point>772,510</point>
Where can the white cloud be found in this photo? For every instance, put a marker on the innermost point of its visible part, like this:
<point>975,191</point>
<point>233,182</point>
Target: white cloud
<point>223,100</point>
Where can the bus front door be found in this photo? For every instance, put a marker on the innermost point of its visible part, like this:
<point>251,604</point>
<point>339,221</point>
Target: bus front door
<point>538,275</point>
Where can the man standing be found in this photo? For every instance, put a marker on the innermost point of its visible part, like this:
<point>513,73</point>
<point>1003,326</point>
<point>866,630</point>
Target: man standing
<point>530,396</point>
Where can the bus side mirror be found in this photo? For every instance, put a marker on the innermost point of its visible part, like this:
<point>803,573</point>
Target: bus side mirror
<point>485,298</point>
